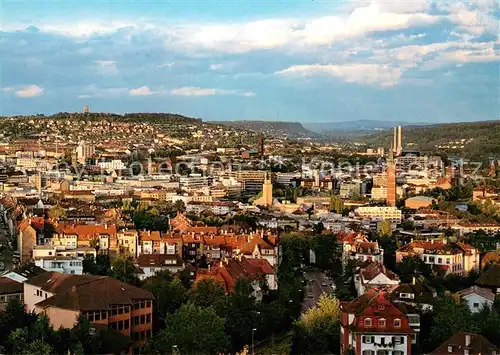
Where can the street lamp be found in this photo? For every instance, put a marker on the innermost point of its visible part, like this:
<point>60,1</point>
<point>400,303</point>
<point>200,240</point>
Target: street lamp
<point>253,344</point>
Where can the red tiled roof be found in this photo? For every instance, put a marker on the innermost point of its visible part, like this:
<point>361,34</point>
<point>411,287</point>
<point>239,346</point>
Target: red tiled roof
<point>150,235</point>
<point>87,231</point>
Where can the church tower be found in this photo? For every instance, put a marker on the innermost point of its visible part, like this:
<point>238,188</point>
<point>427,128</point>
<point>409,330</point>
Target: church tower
<point>267,191</point>
<point>391,180</point>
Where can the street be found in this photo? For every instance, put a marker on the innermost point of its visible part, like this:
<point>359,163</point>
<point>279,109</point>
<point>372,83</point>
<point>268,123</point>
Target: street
<point>316,284</point>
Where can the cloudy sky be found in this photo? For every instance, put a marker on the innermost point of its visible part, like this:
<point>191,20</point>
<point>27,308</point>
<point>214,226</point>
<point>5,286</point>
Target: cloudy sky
<point>297,60</point>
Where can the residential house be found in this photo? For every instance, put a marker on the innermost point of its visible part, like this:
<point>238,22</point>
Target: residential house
<point>73,235</point>
<point>373,325</point>
<point>150,242</point>
<point>490,279</point>
<point>374,275</point>
<point>104,301</point>
<point>355,246</point>
<point>477,297</point>
<point>463,343</point>
<point>63,264</point>
<point>128,241</point>
<point>415,294</point>
<point>229,271</point>
<point>10,290</point>
<point>455,258</point>
<point>26,239</point>
<point>150,264</point>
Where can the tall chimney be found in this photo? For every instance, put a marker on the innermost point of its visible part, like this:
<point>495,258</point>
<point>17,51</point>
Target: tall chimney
<point>394,140</point>
<point>400,140</point>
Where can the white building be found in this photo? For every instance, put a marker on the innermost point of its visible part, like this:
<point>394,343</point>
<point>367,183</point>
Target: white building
<point>62,264</point>
<point>392,214</point>
<point>477,298</point>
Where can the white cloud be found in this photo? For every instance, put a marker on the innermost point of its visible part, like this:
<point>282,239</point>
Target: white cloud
<point>7,89</point>
<point>215,67</point>
<point>166,65</point>
<point>141,91</point>
<point>372,74</point>
<point>106,67</point>
<point>29,91</point>
<point>198,91</point>
<point>97,92</point>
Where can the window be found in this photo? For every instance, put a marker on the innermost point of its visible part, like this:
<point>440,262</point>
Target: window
<point>148,333</point>
<point>148,304</point>
<point>431,259</point>
<point>148,318</point>
<point>440,260</point>
<point>368,322</point>
<point>381,322</point>
<point>397,323</point>
<point>368,352</point>
<point>476,305</point>
<point>367,339</point>
<point>397,352</point>
<point>398,340</point>
<point>450,348</point>
<point>97,316</point>
<point>120,325</point>
<point>143,319</point>
<point>126,324</point>
<point>136,320</point>
<point>90,316</point>
<point>104,315</point>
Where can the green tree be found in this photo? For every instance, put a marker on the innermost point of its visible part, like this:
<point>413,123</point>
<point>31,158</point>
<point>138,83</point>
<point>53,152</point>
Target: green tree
<point>451,315</point>
<point>385,228</point>
<point>57,213</point>
<point>317,331</point>
<point>169,293</point>
<point>241,315</point>
<point>37,347</point>
<point>412,266</point>
<point>336,204</point>
<point>209,293</point>
<point>325,248</point>
<point>123,269</point>
<point>193,329</point>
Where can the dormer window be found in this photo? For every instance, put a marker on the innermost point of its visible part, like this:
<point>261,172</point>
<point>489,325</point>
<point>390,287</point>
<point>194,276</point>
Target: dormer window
<point>397,323</point>
<point>368,322</point>
<point>450,348</point>
<point>381,323</point>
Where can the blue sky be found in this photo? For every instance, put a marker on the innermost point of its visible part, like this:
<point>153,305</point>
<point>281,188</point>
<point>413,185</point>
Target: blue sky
<point>308,61</point>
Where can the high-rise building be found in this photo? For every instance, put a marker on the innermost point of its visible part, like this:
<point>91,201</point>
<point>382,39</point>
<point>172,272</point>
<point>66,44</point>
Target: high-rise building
<point>260,145</point>
<point>391,180</point>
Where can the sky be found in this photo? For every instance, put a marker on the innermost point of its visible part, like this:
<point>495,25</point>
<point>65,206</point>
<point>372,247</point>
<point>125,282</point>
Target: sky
<point>287,60</point>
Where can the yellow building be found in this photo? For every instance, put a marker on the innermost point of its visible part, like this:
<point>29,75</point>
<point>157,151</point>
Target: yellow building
<point>266,199</point>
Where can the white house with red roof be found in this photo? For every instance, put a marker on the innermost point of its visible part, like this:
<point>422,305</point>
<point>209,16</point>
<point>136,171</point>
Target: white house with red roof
<point>373,325</point>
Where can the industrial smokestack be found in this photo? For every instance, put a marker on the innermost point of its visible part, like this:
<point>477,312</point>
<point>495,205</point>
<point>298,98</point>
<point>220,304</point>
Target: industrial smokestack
<point>394,140</point>
<point>400,140</point>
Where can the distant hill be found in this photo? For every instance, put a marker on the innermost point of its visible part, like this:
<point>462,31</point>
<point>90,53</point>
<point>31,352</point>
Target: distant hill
<point>271,128</point>
<point>469,139</point>
<point>364,126</point>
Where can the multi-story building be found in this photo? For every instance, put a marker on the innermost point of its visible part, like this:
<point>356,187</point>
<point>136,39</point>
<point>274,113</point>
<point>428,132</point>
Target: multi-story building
<point>102,300</point>
<point>455,258</point>
<point>357,247</point>
<point>154,263</point>
<point>62,264</point>
<point>373,325</point>
<point>466,344</point>
<point>193,181</point>
<point>375,275</point>
<point>128,241</point>
<point>392,214</point>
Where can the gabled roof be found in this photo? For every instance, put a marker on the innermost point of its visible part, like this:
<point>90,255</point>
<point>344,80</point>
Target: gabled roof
<point>475,290</point>
<point>372,303</point>
<point>490,278</point>
<point>478,345</point>
<point>422,293</point>
<point>86,231</point>
<point>9,286</point>
<point>94,293</point>
<point>373,269</point>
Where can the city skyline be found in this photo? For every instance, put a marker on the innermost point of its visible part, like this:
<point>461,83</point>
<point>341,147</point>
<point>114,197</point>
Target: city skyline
<point>298,61</point>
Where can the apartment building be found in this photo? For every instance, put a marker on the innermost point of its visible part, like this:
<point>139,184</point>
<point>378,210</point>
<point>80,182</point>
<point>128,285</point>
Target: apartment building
<point>456,258</point>
<point>392,214</point>
<point>103,300</point>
